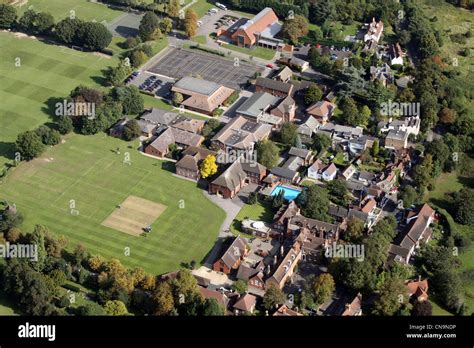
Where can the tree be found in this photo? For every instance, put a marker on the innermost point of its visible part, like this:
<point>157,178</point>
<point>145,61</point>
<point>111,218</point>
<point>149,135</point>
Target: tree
<point>131,130</point>
<point>364,116</point>
<point>96,36</point>
<point>355,230</point>
<point>174,8</point>
<point>321,142</point>
<point>295,28</point>
<point>64,124</point>
<point>314,203</point>
<point>190,23</point>
<point>48,136</point>
<point>115,76</point>
<point>44,22</point>
<point>447,116</point>
<point>313,94</point>
<point>163,299</point>
<point>29,145</point>
<point>130,98</point>
<point>10,220</point>
<point>27,21</point>
<point>288,133</point>
<point>338,189</point>
<point>409,196</point>
<point>138,57</point>
<point>149,25</point>
<point>423,308</point>
<point>240,286</point>
<point>208,166</point>
<point>166,25</point>
<point>115,308</point>
<point>375,147</point>
<point>268,153</point>
<point>8,16</point>
<point>350,112</point>
<point>90,309</point>
<point>12,235</point>
<point>463,207</point>
<point>210,126</point>
<point>211,307</point>
<point>391,297</point>
<point>177,98</point>
<point>69,30</point>
<point>273,297</point>
<point>323,288</point>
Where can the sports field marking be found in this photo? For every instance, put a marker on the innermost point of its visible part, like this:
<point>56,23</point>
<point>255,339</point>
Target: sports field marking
<point>133,215</point>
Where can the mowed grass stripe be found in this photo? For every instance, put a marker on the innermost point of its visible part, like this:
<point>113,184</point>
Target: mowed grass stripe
<point>98,180</point>
<point>45,71</point>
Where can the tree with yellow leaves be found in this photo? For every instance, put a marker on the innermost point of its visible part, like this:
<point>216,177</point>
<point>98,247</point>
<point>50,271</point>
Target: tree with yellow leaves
<point>208,166</point>
<point>190,23</point>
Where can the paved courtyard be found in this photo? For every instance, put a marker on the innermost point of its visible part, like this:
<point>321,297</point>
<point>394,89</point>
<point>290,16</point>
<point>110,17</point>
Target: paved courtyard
<point>177,63</point>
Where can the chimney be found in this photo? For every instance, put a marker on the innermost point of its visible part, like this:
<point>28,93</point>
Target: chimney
<point>268,270</point>
<point>275,260</point>
<point>282,251</point>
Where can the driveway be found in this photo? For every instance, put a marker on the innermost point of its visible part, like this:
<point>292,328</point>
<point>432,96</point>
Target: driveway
<point>232,208</point>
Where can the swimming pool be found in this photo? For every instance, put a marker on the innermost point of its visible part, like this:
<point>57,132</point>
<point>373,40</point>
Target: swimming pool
<point>289,194</point>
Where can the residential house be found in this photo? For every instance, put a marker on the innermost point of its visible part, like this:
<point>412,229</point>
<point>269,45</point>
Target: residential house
<point>342,214</point>
<point>321,111</point>
<point>396,140</point>
<point>241,134</point>
<point>266,108</point>
<point>284,75</point>
<point>396,54</point>
<point>260,30</point>
<point>329,173</point>
<point>360,144</point>
<point>159,146</point>
<point>348,172</point>
<point>232,256</point>
<point>342,303</point>
<point>316,169</point>
<point>299,64</point>
<point>382,73</point>
<point>285,269</point>
<point>417,289</point>
<point>188,165</point>
<point>409,125</point>
<point>117,129</point>
<point>158,117</point>
<point>308,128</point>
<point>285,311</point>
<point>236,176</point>
<point>373,34</point>
<point>201,95</point>
<point>338,132</point>
<point>417,231</point>
<point>245,304</point>
<point>284,175</point>
<point>274,87</point>
<point>219,296</point>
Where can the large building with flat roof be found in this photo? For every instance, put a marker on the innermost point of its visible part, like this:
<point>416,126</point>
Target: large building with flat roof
<point>201,95</point>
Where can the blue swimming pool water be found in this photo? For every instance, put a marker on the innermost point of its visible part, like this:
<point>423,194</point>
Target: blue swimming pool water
<point>290,194</point>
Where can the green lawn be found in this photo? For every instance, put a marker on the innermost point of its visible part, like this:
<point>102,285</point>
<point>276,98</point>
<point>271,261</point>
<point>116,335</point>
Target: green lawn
<point>447,183</point>
<point>260,52</point>
<point>202,6</point>
<point>88,171</point>
<point>45,71</point>
<point>83,9</point>
<point>202,39</point>
<point>6,307</point>
<point>260,211</point>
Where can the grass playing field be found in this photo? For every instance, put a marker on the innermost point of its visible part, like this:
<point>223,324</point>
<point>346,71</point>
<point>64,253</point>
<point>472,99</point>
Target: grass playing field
<point>83,9</point>
<point>87,173</point>
<point>45,71</point>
